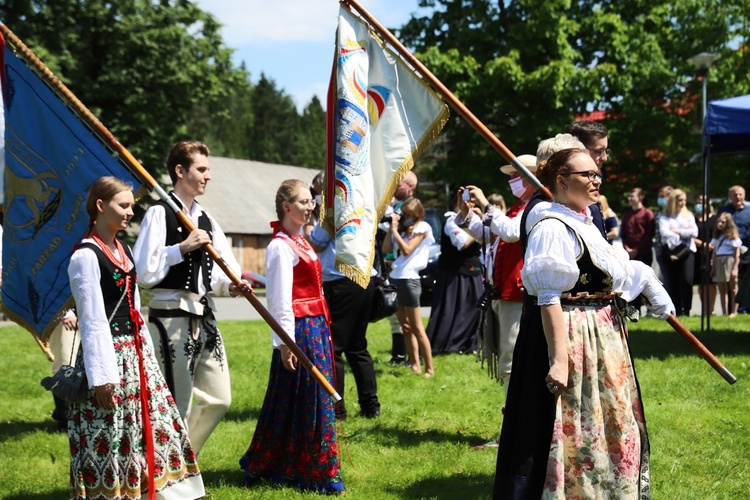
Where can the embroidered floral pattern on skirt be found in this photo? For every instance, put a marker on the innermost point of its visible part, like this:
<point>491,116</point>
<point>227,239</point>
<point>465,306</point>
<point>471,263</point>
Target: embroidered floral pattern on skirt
<point>295,439</point>
<point>599,442</point>
<point>107,449</point>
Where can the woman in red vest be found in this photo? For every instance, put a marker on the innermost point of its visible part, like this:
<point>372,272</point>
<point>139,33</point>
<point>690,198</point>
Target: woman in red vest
<point>295,439</point>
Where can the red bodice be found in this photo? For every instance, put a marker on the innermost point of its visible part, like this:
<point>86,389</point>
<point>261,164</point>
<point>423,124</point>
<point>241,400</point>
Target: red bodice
<point>307,285</point>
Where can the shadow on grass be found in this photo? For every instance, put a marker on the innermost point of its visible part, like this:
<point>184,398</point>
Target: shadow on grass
<point>242,414</point>
<point>11,430</point>
<point>53,495</point>
<point>399,437</point>
<point>661,344</point>
<point>475,486</point>
<point>215,479</point>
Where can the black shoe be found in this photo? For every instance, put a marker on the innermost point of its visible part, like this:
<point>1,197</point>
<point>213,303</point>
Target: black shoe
<point>397,360</point>
<point>369,413</point>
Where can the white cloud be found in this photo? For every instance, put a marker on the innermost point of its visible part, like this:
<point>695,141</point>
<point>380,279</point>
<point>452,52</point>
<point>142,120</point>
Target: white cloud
<point>271,21</point>
<point>292,41</point>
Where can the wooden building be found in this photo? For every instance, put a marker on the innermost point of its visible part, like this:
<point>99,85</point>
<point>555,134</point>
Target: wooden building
<point>240,196</point>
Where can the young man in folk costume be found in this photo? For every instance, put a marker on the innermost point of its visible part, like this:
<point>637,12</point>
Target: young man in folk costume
<point>183,278</point>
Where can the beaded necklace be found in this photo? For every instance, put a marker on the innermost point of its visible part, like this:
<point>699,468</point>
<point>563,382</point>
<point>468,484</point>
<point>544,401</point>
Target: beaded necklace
<point>302,243</point>
<point>123,262</point>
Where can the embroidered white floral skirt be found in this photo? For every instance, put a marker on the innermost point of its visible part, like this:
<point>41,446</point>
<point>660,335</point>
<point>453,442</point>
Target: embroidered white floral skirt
<point>107,448</point>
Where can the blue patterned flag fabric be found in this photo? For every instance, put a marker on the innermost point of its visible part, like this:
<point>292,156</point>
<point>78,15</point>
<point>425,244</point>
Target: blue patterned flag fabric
<point>51,159</point>
<point>384,117</point>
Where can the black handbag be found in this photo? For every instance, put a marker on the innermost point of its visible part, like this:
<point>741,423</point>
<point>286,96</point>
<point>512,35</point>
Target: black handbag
<point>384,301</point>
<point>385,297</point>
<point>68,383</point>
<point>678,253</point>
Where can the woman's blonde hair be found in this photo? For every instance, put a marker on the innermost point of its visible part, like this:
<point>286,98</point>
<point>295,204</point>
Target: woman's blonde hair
<point>671,208</point>
<point>604,203</point>
<point>286,192</point>
<point>730,231</point>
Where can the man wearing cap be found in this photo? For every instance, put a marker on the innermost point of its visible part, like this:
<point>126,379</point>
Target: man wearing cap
<point>504,273</point>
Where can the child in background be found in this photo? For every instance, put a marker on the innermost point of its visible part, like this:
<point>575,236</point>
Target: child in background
<point>725,263</point>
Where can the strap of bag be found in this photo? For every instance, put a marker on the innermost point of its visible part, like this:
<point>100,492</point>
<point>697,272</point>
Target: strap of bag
<point>381,259</point>
<point>111,317</point>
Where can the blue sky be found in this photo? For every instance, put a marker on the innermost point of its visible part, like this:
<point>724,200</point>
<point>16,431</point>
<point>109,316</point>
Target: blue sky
<point>292,41</point>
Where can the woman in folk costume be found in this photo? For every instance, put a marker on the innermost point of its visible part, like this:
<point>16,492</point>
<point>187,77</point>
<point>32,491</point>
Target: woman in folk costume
<point>574,425</point>
<point>295,439</point>
<point>127,439</point>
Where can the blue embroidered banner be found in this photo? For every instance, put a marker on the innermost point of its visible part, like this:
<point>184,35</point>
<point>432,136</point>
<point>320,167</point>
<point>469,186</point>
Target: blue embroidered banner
<point>51,159</point>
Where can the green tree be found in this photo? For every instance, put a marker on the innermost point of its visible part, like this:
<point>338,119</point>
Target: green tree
<point>275,127</point>
<point>528,68</point>
<point>141,66</point>
<point>312,138</point>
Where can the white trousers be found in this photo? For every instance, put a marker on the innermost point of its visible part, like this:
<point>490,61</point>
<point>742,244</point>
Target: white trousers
<point>192,357</point>
<point>506,321</point>
<point>62,343</point>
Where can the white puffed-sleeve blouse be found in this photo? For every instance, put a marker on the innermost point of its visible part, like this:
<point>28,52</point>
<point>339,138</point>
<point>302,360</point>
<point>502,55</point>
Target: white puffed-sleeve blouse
<point>550,266</point>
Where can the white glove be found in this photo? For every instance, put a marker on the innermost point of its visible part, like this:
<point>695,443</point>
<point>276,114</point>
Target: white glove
<point>659,302</point>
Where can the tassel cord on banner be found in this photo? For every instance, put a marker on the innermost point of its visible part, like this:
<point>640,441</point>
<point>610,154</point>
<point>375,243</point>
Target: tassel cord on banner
<point>451,99</point>
<point>137,169</point>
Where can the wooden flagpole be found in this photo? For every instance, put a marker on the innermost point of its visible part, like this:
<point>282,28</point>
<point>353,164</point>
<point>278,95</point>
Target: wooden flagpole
<point>108,138</point>
<point>701,349</point>
<point>451,99</point>
<point>462,110</point>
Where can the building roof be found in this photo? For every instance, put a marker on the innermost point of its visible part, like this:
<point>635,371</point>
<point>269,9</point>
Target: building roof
<point>241,193</point>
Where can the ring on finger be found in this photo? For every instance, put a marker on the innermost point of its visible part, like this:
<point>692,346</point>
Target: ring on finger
<point>552,387</point>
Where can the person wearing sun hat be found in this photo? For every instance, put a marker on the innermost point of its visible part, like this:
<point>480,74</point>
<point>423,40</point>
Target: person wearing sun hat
<point>503,270</point>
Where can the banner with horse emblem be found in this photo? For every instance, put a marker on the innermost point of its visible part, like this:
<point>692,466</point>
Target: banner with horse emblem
<point>384,116</point>
<point>51,159</point>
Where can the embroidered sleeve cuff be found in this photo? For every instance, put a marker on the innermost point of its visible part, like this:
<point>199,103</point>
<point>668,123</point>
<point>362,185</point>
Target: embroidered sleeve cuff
<point>548,298</point>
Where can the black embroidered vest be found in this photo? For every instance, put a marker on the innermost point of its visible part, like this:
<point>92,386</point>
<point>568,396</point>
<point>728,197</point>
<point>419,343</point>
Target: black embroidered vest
<point>464,261</point>
<point>184,276</point>
<point>113,283</point>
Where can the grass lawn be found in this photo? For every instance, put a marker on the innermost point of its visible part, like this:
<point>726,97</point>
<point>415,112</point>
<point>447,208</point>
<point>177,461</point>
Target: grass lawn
<point>421,446</point>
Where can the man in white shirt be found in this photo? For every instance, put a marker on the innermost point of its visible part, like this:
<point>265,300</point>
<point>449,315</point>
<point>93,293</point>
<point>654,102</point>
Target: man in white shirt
<point>182,279</point>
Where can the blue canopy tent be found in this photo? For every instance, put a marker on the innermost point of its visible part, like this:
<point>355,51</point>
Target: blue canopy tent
<point>727,127</point>
<point>726,131</point>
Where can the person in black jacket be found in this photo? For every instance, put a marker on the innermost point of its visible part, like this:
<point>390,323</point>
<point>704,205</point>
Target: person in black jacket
<point>454,318</point>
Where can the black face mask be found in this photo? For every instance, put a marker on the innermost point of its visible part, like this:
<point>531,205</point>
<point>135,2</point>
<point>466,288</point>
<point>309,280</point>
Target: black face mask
<point>406,223</point>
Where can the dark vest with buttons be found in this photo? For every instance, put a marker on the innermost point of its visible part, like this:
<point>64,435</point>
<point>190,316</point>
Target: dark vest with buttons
<point>112,283</point>
<point>184,276</point>
<point>591,278</point>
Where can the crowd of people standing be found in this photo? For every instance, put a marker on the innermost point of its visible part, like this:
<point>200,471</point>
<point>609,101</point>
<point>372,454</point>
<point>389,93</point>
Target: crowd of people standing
<point>547,268</point>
